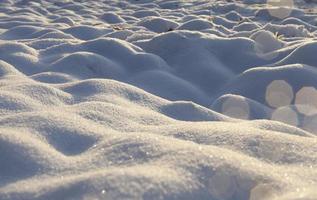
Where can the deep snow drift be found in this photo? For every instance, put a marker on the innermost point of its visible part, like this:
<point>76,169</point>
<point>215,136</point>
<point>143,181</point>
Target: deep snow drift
<point>158,99</point>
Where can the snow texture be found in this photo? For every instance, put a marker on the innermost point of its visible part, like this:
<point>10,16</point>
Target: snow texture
<point>158,99</point>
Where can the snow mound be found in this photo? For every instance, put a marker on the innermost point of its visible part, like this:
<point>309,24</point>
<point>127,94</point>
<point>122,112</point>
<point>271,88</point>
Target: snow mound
<point>302,54</point>
<point>196,25</point>
<point>157,24</point>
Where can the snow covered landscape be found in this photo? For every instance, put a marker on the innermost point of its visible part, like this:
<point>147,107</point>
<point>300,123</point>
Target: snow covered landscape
<point>158,99</point>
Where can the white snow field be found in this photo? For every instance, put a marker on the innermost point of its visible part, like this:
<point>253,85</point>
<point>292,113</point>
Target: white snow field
<point>158,99</point>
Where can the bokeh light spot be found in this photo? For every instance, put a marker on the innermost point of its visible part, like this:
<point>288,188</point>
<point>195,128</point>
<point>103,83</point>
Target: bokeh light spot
<point>262,192</point>
<point>306,101</point>
<point>279,93</point>
<point>286,115</point>
<point>236,107</point>
<point>280,8</point>
<point>222,185</point>
<point>310,124</point>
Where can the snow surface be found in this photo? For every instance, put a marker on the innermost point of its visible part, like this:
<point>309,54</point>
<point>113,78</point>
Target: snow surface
<point>158,99</point>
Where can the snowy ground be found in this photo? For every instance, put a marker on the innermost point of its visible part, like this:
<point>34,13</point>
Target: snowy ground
<point>158,99</point>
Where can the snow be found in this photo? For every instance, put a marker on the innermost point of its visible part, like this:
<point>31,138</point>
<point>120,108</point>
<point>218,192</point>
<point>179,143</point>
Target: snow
<point>158,99</point>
